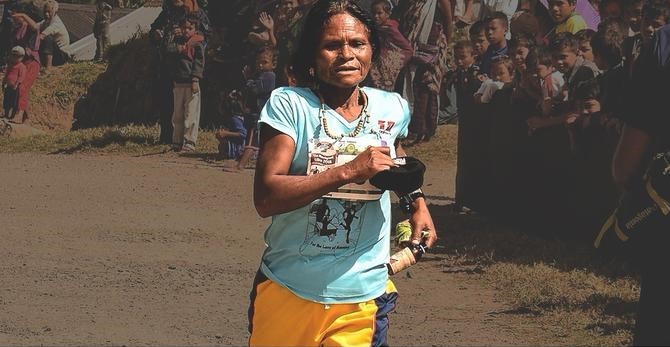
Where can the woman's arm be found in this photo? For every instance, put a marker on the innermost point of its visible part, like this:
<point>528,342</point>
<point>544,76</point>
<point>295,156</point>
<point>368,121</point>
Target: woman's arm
<point>276,191</point>
<point>629,157</point>
<point>447,17</point>
<point>421,219</point>
<point>31,23</point>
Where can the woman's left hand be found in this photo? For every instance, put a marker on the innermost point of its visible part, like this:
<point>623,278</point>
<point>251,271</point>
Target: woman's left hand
<point>421,220</point>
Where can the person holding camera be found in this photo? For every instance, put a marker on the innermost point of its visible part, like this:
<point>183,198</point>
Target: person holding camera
<point>323,278</point>
<point>162,33</point>
<point>645,138</point>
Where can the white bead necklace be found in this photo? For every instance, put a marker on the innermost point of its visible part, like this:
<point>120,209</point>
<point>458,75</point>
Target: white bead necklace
<point>364,119</point>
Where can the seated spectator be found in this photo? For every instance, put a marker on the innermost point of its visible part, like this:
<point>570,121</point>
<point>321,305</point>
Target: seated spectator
<point>231,139</point>
<point>16,73</point>
<point>55,40</point>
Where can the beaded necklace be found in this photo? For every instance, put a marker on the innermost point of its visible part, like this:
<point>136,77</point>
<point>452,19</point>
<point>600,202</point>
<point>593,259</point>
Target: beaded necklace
<point>364,119</point>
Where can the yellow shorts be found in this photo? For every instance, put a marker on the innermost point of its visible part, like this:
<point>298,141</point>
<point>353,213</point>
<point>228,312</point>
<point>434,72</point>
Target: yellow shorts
<point>277,317</point>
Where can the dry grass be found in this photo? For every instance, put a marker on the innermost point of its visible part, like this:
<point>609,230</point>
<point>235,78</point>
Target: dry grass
<point>577,296</point>
<point>54,94</point>
<point>441,147</point>
<point>129,139</point>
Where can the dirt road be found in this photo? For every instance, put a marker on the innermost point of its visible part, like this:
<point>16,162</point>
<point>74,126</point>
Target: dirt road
<point>161,250</point>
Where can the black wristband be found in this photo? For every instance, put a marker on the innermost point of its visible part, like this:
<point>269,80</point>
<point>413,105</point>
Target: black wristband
<point>407,200</point>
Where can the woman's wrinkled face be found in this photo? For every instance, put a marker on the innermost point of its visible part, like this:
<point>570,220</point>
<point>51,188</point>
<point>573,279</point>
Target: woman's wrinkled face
<point>344,53</point>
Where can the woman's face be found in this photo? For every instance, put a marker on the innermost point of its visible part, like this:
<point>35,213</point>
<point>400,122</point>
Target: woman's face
<point>344,53</point>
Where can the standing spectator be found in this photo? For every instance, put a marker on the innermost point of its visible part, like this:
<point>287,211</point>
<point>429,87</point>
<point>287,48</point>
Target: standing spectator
<point>27,37</point>
<point>14,76</point>
<point>480,44</point>
<point>584,38</point>
<point>472,134</point>
<point>162,34</point>
<point>646,133</point>
<point>633,16</point>
<point>496,30</point>
<point>426,24</point>
<point>6,27</point>
<point>187,57</point>
<point>103,19</point>
<point>395,51</point>
<point>564,15</point>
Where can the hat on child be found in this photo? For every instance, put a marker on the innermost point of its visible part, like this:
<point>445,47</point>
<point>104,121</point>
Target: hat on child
<point>18,50</point>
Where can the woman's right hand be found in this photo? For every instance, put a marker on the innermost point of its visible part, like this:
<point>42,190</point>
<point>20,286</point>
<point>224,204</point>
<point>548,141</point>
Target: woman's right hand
<point>368,163</point>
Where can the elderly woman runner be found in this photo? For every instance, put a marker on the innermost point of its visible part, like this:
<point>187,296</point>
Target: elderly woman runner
<point>323,278</point>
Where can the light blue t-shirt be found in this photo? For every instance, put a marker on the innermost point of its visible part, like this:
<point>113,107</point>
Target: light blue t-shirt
<point>332,250</point>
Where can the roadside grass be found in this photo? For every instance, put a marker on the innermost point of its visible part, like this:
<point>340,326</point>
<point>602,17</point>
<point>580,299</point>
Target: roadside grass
<point>131,139</point>
<point>577,295</point>
<point>441,147</point>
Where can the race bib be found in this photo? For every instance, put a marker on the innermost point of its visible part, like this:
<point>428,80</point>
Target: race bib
<point>325,154</point>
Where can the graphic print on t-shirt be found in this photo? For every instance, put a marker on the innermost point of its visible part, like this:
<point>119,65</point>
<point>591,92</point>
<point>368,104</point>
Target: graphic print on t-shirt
<point>327,154</point>
<point>333,227</point>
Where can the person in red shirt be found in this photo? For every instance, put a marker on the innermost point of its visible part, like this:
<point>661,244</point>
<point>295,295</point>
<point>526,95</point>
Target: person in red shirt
<point>16,73</point>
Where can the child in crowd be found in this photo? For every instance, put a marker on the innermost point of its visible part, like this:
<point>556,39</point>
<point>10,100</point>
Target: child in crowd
<point>480,44</point>
<point>551,81</point>
<point>395,50</point>
<point>496,30</point>
<point>584,38</point>
<point>231,140</point>
<point>655,14</point>
<point>103,19</point>
<point>502,72</point>
<point>187,55</point>
<point>472,140</point>
<point>564,16</point>
<point>261,79</point>
<point>523,54</point>
<point>575,69</point>
<point>262,32</point>
<point>611,97</point>
<point>14,76</point>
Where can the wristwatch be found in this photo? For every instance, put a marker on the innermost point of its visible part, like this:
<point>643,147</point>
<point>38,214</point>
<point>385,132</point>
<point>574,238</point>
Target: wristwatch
<point>406,201</point>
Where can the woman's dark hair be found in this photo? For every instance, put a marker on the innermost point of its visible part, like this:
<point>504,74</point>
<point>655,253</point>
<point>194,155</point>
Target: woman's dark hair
<point>316,20</point>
